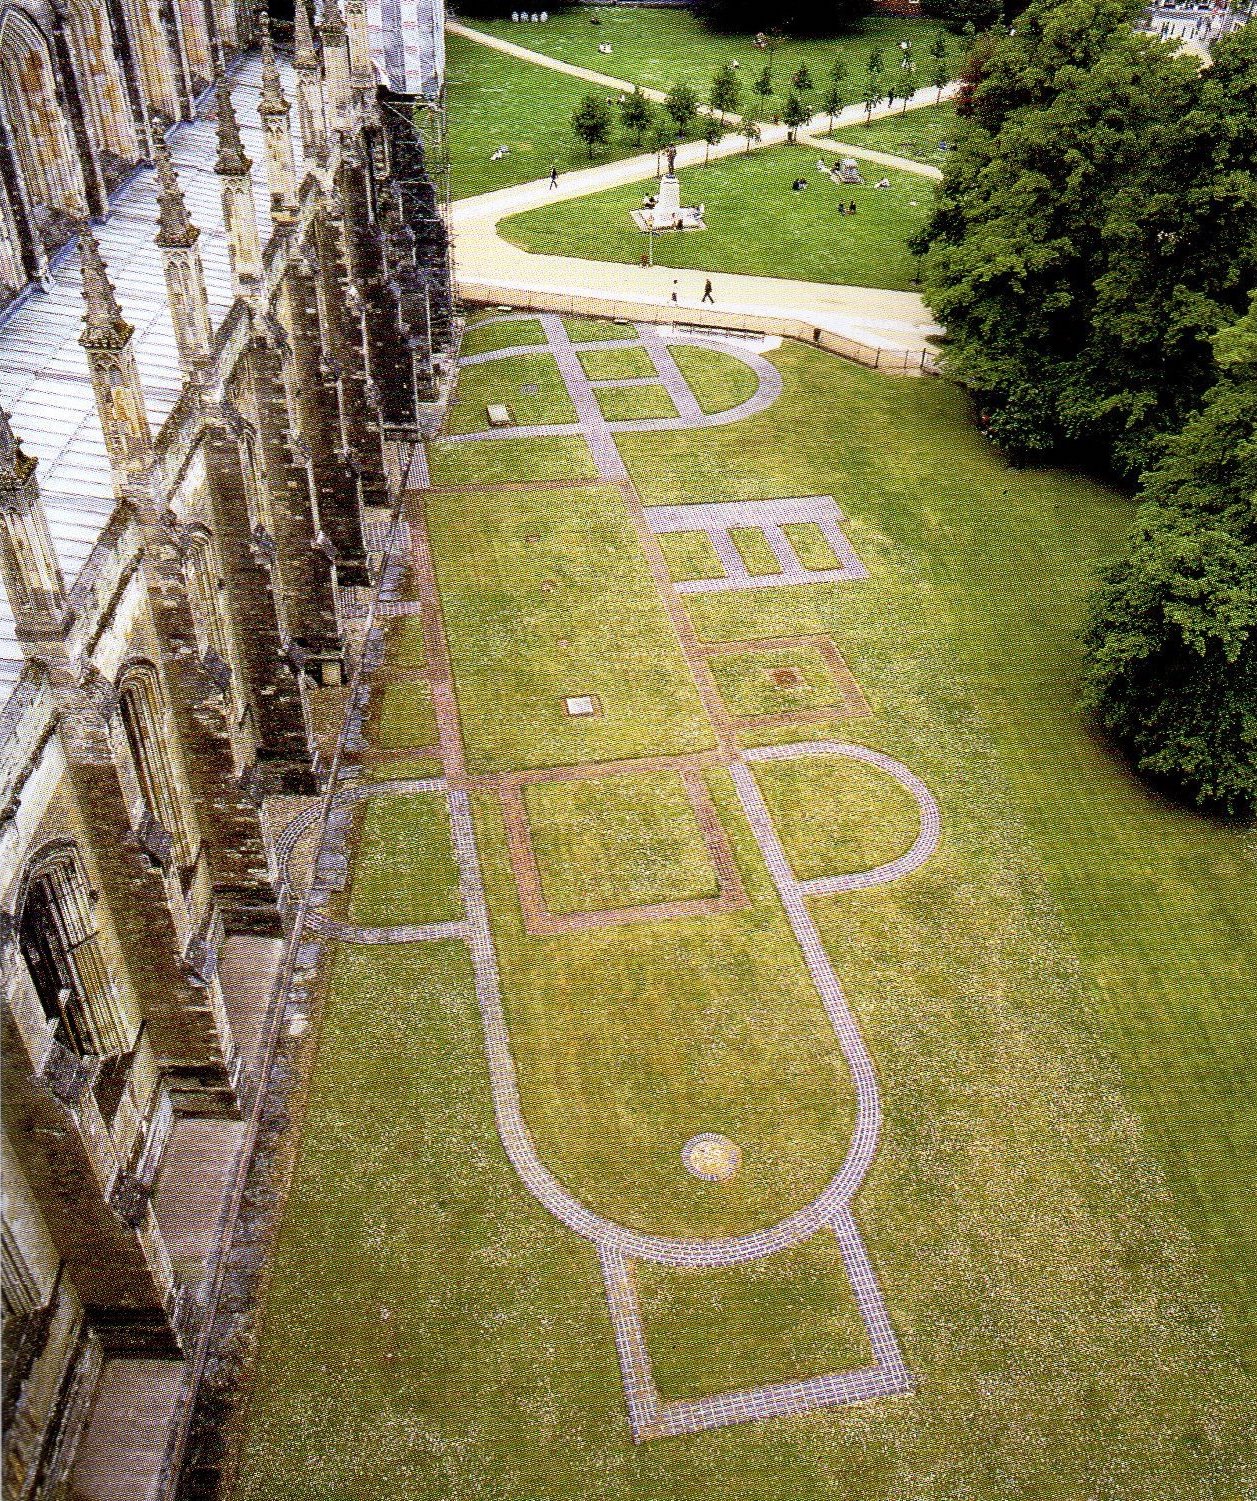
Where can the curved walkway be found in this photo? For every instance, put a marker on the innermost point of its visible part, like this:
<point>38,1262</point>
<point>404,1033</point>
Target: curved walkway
<point>581,388</point>
<point>618,1245</point>
<point>490,269</point>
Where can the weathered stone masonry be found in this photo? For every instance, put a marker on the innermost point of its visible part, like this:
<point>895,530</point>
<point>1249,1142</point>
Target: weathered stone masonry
<point>164,641</point>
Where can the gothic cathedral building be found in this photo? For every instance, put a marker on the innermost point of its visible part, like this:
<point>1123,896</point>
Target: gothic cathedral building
<point>227,316</point>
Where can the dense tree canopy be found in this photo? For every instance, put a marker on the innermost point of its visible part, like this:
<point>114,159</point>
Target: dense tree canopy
<point>800,17</point>
<point>1172,640</point>
<point>1096,226</point>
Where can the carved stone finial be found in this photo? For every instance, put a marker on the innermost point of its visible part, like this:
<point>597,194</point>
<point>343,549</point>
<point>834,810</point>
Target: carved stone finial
<point>304,54</point>
<point>16,466</point>
<point>332,26</point>
<point>104,327</point>
<point>231,158</point>
<point>272,101</point>
<point>175,230</point>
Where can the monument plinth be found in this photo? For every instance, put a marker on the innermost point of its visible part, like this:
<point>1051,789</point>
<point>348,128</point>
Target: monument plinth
<point>664,210</point>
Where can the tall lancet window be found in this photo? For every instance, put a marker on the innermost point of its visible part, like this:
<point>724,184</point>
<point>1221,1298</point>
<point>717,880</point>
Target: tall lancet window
<point>60,942</point>
<point>150,743</point>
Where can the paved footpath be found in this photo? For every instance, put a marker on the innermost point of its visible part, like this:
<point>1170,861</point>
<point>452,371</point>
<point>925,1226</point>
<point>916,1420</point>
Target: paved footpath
<point>619,1246</point>
<point>491,269</point>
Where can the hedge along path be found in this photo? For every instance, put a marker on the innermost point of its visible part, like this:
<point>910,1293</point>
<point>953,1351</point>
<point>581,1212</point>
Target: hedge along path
<point>619,1246</point>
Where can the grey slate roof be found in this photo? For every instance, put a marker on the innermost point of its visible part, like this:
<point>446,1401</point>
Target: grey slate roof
<point>44,381</point>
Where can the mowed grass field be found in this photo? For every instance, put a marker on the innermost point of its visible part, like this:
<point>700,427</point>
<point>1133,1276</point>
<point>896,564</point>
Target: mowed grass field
<point>494,100</point>
<point>1058,1004</point>
<point>544,602</point>
<point>659,48</point>
<point>756,223</point>
<point>922,135</point>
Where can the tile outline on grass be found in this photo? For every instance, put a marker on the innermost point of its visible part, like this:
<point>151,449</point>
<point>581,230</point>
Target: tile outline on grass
<point>540,922</point>
<point>854,705</point>
<point>719,518</point>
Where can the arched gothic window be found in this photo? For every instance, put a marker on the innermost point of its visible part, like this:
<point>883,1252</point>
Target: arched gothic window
<point>61,944</point>
<point>205,589</point>
<point>42,139</point>
<point>148,738</point>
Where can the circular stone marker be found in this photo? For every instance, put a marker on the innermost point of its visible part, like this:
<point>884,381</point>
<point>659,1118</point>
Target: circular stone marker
<point>711,1156</point>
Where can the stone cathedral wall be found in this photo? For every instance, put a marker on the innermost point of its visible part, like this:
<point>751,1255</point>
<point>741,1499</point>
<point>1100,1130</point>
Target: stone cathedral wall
<point>177,652</point>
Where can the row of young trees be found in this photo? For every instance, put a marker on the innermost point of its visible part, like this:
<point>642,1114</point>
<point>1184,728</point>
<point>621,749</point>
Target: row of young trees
<point>593,120</point>
<point>1093,253</point>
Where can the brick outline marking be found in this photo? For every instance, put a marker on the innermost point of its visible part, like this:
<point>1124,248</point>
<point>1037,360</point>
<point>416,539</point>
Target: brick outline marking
<point>854,705</point>
<point>540,922</point>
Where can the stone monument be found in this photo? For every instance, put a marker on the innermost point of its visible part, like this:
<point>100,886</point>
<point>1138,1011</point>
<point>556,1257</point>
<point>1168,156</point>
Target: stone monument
<point>664,210</point>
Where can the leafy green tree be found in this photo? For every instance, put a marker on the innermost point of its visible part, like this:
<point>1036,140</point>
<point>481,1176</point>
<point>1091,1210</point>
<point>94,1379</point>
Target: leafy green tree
<point>661,136</point>
<point>802,81</point>
<point>682,104</point>
<point>876,62</point>
<point>939,79</point>
<point>874,93</point>
<point>1171,642</point>
<point>636,113</point>
<point>763,86</point>
<point>833,100</point>
<point>838,69</point>
<point>907,81</point>
<point>1096,225</point>
<point>938,48</point>
<point>713,131</point>
<point>726,92</point>
<point>591,120</point>
<point>795,113</point>
<point>750,133</point>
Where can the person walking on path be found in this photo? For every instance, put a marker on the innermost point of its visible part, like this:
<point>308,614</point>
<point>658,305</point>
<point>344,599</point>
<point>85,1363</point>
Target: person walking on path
<point>554,175</point>
<point>707,297</point>
<point>674,289</point>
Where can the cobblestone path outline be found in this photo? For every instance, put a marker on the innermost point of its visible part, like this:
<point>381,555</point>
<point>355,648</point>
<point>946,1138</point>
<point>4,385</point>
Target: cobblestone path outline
<point>619,1246</point>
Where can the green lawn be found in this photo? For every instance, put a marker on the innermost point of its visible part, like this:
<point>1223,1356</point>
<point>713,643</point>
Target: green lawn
<point>1059,1006</point>
<point>583,581</point>
<point>835,816</point>
<point>718,380</point>
<point>529,384</point>
<point>916,133</point>
<point>629,1040</point>
<point>404,871</point>
<point>690,555</point>
<point>754,550</point>
<point>755,224</point>
<point>619,841</point>
<point>765,1321</point>
<point>586,330</point>
<point>747,687</point>
<point>512,333</point>
<point>506,460</point>
<point>632,403</point>
<point>658,48</point>
<point>616,364</point>
<point>403,716</point>
<point>811,546</point>
<point>494,100</point>
<point>403,642</point>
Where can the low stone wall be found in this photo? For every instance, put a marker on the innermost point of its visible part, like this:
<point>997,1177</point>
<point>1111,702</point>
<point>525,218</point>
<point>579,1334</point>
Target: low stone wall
<point>589,305</point>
